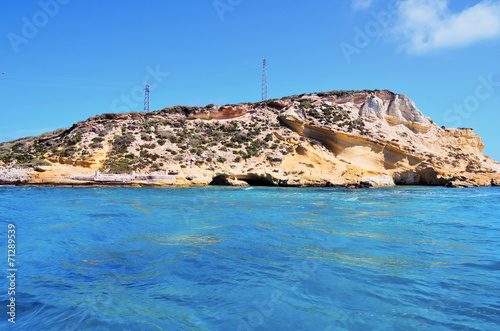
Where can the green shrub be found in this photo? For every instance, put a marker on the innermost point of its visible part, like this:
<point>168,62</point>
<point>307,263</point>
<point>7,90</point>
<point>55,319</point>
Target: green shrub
<point>148,146</point>
<point>314,113</point>
<point>274,159</point>
<point>120,143</point>
<point>239,138</point>
<point>165,134</point>
<point>70,151</point>
<point>221,159</point>
<point>342,93</point>
<point>109,116</point>
<point>306,104</point>
<point>258,143</point>
<point>116,165</point>
<point>269,137</point>
<point>77,138</point>
<point>41,163</point>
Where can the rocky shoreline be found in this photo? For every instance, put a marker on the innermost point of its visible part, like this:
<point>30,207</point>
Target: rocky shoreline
<point>14,176</point>
<point>11,176</point>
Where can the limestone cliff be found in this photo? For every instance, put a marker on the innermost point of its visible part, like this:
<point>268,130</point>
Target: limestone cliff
<point>337,138</point>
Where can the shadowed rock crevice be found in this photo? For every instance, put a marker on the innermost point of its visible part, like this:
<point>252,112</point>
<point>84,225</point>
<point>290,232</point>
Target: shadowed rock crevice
<point>255,180</point>
<point>220,180</point>
<point>423,176</point>
<point>241,180</point>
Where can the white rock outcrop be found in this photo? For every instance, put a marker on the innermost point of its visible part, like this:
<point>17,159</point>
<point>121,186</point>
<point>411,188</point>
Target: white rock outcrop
<point>372,109</point>
<point>13,175</point>
<point>397,110</point>
<point>403,111</point>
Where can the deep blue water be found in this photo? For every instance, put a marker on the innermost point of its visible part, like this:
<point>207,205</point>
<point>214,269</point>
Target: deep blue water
<point>404,258</point>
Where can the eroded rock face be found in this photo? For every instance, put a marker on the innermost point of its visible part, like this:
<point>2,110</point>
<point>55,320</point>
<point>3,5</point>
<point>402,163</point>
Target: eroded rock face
<point>420,176</point>
<point>11,175</point>
<point>78,162</point>
<point>379,180</point>
<point>459,183</point>
<point>395,109</point>
<point>403,111</point>
<point>372,109</point>
<point>465,139</point>
<point>278,104</point>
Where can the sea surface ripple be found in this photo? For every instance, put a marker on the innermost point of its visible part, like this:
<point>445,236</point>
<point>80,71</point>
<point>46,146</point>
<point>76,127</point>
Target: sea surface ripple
<point>216,258</point>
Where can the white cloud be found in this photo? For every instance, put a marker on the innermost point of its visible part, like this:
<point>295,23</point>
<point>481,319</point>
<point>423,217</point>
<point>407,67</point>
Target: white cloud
<point>361,4</point>
<point>427,25</point>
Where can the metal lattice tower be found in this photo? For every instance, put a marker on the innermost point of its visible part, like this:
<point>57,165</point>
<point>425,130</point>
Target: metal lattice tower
<point>146,99</point>
<point>264,81</point>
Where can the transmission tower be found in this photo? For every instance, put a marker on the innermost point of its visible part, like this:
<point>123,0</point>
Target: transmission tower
<point>264,81</point>
<point>146,99</point>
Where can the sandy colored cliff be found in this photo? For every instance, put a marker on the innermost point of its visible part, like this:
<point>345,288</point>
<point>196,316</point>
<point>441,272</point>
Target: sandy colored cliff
<point>337,138</point>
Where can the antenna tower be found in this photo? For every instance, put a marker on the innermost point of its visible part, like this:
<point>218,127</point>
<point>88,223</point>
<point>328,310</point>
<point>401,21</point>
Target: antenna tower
<point>264,81</point>
<point>146,99</point>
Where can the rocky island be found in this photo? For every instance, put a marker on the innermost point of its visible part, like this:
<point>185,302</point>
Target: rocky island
<point>336,139</point>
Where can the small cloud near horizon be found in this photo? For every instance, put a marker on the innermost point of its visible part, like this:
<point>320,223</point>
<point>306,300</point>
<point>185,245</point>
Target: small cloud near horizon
<point>361,4</point>
<point>427,25</point>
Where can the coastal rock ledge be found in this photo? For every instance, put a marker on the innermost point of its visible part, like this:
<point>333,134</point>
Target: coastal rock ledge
<point>329,139</point>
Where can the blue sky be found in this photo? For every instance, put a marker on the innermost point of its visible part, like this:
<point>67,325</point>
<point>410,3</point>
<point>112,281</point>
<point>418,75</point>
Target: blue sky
<point>67,60</point>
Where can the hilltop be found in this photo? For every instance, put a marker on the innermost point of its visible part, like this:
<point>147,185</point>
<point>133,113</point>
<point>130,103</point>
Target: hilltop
<point>336,138</point>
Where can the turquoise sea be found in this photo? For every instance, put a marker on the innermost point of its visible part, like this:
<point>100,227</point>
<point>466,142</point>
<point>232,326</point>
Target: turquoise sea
<point>260,258</point>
